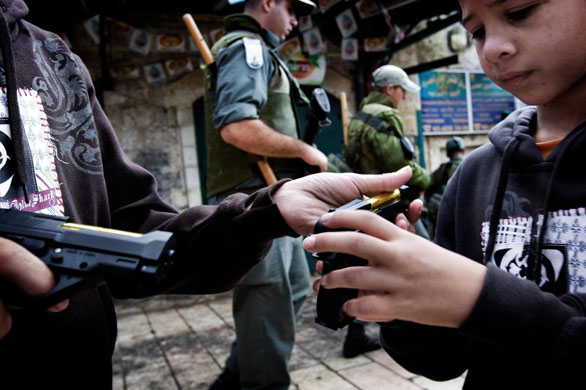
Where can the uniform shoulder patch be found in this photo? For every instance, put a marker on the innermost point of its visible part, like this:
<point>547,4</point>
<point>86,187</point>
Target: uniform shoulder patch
<point>254,53</point>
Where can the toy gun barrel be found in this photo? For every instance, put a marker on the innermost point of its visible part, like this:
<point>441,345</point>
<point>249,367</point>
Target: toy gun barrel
<point>83,255</point>
<point>330,301</point>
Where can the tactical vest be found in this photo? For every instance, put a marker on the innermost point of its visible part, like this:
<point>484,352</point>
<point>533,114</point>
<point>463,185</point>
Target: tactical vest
<point>228,166</point>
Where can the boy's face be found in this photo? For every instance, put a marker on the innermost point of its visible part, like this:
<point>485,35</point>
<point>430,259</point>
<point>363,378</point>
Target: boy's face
<point>535,49</point>
<point>282,18</point>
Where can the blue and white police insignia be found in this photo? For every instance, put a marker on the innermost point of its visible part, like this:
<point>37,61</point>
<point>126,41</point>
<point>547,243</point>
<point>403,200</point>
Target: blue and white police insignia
<point>254,56</point>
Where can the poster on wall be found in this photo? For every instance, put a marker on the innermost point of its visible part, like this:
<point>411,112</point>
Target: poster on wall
<point>367,8</point>
<point>305,23</point>
<point>346,23</point>
<point>350,49</point>
<point>375,44</point>
<point>308,70</point>
<point>140,42</point>
<point>325,5</point>
<point>171,43</point>
<point>178,66</point>
<point>313,41</point>
<point>489,102</point>
<point>154,73</point>
<point>290,48</point>
<point>92,26</point>
<point>444,104</point>
<point>123,72</point>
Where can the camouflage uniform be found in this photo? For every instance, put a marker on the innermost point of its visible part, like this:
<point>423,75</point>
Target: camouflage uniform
<point>371,150</point>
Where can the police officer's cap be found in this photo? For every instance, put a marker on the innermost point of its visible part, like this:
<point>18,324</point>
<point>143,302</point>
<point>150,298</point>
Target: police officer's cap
<point>455,143</point>
<point>301,7</point>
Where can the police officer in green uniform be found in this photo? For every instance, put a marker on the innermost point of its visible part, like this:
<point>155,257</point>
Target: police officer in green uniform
<point>250,105</point>
<point>455,149</point>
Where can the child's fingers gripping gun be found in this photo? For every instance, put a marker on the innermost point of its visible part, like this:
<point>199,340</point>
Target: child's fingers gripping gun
<point>330,301</point>
<point>82,255</point>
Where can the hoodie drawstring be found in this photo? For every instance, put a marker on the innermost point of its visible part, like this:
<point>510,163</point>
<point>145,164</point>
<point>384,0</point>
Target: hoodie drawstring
<point>536,244</point>
<point>499,197</point>
<point>22,152</point>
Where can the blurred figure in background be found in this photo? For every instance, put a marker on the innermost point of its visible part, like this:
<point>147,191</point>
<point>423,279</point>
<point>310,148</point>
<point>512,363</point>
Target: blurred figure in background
<point>455,149</point>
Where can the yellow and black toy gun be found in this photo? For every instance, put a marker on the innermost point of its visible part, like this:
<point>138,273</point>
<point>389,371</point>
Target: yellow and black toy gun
<point>83,255</point>
<point>330,301</point>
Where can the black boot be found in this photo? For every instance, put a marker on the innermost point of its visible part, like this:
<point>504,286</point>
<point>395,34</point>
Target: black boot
<point>227,380</point>
<point>357,341</point>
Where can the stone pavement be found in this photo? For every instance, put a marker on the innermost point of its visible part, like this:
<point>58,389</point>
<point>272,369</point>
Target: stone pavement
<point>181,342</point>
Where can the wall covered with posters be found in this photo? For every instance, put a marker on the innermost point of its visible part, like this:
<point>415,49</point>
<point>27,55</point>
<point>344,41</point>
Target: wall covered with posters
<point>155,69</point>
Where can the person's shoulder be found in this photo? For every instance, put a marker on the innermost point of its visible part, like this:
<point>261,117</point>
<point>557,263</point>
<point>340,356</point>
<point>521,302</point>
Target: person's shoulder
<point>38,33</point>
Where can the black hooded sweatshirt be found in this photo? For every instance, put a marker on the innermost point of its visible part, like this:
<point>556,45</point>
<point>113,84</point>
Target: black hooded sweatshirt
<point>524,217</point>
<point>59,142</point>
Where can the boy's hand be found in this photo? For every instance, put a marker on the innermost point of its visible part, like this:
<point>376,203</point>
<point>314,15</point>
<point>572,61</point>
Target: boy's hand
<point>22,269</point>
<point>303,201</point>
<point>408,278</point>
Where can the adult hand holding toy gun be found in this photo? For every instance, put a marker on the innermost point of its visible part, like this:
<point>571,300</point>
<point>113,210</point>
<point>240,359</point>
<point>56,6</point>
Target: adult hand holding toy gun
<point>392,207</point>
<point>82,255</point>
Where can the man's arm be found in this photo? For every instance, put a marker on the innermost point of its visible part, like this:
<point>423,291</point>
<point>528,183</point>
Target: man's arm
<point>254,136</point>
<point>239,99</point>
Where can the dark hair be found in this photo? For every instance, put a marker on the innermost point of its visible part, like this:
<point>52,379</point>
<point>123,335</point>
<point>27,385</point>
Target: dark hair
<point>252,4</point>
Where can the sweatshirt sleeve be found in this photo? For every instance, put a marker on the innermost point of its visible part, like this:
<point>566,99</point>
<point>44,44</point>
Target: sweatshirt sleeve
<point>216,245</point>
<point>517,318</point>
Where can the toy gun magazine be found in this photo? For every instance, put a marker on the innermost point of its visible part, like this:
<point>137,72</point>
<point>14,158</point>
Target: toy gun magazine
<point>83,255</point>
<point>330,301</point>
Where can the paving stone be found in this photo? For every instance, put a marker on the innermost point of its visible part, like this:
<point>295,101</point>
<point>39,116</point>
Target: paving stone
<point>374,376</point>
<point>428,384</point>
<point>341,363</point>
<point>155,377</point>
<point>186,353</point>
<point>383,358</point>
<point>181,342</point>
<point>300,359</point>
<point>223,307</point>
<point>201,318</point>
<point>133,329</point>
<point>319,377</point>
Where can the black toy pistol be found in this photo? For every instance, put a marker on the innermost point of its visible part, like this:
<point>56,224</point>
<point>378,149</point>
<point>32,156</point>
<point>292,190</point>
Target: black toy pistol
<point>81,255</point>
<point>330,301</point>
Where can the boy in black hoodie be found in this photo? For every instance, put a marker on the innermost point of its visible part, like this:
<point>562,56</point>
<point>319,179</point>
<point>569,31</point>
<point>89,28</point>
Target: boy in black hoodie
<point>506,298</point>
<point>59,156</point>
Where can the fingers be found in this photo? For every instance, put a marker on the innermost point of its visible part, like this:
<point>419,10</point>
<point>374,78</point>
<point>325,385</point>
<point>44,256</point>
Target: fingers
<point>414,210</point>
<point>23,269</point>
<point>316,285</point>
<point>365,221</point>
<point>403,223</point>
<point>376,184</point>
<point>374,308</point>
<point>59,307</point>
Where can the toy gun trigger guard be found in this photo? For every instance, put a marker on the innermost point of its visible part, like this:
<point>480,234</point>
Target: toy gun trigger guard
<point>330,301</point>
